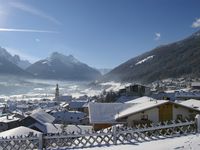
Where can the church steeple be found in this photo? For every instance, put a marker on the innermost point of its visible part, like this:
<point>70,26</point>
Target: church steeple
<point>57,93</point>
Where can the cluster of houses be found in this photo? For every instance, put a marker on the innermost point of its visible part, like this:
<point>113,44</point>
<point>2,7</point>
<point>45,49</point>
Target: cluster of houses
<point>64,114</point>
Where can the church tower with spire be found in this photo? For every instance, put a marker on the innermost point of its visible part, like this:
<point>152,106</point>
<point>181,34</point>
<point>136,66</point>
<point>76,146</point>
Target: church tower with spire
<point>57,93</point>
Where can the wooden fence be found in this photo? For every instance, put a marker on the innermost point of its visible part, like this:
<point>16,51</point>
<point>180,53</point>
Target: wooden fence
<point>114,135</point>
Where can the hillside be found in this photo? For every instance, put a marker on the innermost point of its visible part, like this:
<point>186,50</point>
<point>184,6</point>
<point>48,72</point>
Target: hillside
<point>178,59</point>
<point>12,65</point>
<point>23,64</point>
<point>8,68</point>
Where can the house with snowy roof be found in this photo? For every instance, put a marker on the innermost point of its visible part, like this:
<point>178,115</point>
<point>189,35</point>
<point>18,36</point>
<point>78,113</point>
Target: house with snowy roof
<point>195,85</point>
<point>8,121</point>
<point>135,90</point>
<point>193,103</point>
<point>186,95</point>
<point>41,121</point>
<point>143,110</point>
<point>78,105</point>
<point>102,115</point>
<point>23,107</point>
<point>19,132</point>
<point>70,117</point>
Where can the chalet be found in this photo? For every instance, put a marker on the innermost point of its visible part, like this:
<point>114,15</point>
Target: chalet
<point>195,85</point>
<point>41,121</point>
<point>69,117</point>
<point>79,105</point>
<point>154,111</point>
<point>102,115</point>
<point>138,111</point>
<point>135,90</point>
<point>8,122</point>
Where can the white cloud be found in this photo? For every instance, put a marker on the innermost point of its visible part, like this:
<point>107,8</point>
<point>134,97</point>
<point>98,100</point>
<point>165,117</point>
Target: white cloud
<point>23,56</point>
<point>25,30</point>
<point>34,11</point>
<point>196,23</point>
<point>37,40</point>
<point>157,36</point>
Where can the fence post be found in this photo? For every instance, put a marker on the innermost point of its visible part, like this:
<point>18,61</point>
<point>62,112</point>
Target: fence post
<point>114,134</point>
<point>40,142</point>
<point>197,121</point>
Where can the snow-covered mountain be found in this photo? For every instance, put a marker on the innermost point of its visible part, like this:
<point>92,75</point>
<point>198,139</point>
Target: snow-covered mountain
<point>59,66</point>
<point>12,65</point>
<point>23,64</point>
<point>173,60</point>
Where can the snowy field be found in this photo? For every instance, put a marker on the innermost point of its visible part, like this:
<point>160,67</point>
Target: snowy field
<point>190,142</point>
<point>27,89</point>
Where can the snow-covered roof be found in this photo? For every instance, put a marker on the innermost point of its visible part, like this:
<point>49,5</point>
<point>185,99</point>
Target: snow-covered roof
<point>68,116</point>
<point>188,94</point>
<point>144,103</point>
<point>138,107</point>
<point>123,99</point>
<point>53,128</point>
<point>105,112</point>
<point>8,118</point>
<point>22,106</point>
<point>78,128</point>
<point>47,127</point>
<point>140,100</point>
<point>78,104</point>
<point>42,116</point>
<point>195,104</point>
<point>195,84</point>
<point>24,131</point>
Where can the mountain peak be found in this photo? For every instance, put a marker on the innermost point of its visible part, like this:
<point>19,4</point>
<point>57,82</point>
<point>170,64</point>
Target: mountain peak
<point>14,59</point>
<point>55,54</point>
<point>65,59</point>
<point>59,66</point>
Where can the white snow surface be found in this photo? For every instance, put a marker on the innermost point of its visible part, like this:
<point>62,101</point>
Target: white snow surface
<point>191,142</point>
<point>144,60</point>
<point>192,103</point>
<point>140,100</point>
<point>19,131</point>
<point>108,109</point>
<point>42,116</point>
<point>114,86</point>
<point>138,107</point>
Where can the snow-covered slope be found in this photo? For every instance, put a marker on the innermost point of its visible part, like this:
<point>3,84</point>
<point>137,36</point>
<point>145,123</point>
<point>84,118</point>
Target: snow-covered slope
<point>59,66</point>
<point>8,65</point>
<point>189,142</point>
<point>178,59</point>
<point>144,60</point>
<point>14,59</point>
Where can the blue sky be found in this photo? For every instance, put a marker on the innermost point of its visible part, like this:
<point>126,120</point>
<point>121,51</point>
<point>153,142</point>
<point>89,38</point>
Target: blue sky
<point>101,33</point>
